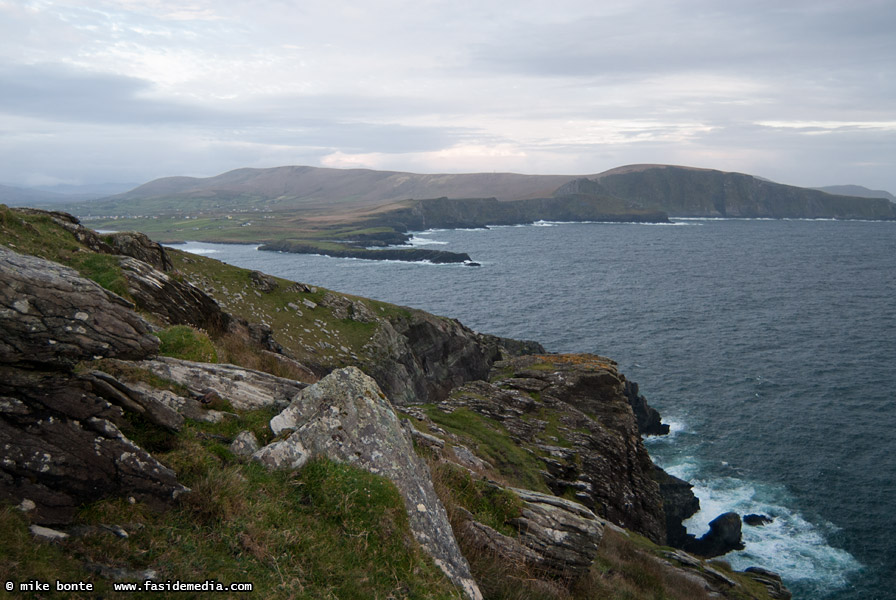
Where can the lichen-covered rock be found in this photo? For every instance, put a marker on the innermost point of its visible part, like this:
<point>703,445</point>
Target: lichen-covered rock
<point>346,417</point>
<point>62,448</point>
<point>564,533</point>
<point>245,444</point>
<point>51,315</point>
<point>147,405</point>
<point>772,582</point>
<point>245,389</point>
<point>348,308</point>
<point>262,282</point>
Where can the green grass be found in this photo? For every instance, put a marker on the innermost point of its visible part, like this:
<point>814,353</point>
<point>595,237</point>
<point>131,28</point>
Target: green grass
<point>327,531</point>
<point>489,440</point>
<point>103,269</point>
<point>489,504</point>
<point>186,343</point>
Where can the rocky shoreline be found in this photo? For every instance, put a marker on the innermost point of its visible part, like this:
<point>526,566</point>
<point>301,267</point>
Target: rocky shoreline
<point>402,254</point>
<point>556,438</point>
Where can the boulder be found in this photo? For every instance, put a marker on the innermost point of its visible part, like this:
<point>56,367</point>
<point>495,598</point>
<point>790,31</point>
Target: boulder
<point>724,535</point>
<point>757,520</point>
<point>262,282</point>
<point>347,308</point>
<point>772,582</point>
<point>346,417</point>
<point>564,534</point>
<point>245,444</point>
<point>50,315</point>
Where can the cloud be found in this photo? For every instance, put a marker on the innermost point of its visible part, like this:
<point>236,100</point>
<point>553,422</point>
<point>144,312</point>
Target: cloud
<point>202,86</point>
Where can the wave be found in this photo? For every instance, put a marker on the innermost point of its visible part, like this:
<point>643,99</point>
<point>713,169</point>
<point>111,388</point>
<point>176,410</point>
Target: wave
<point>790,545</point>
<point>422,241</point>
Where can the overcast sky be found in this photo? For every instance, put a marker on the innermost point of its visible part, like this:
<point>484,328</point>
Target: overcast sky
<point>801,92</point>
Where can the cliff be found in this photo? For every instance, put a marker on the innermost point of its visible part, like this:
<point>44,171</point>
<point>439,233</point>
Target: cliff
<point>174,418</point>
<point>689,192</point>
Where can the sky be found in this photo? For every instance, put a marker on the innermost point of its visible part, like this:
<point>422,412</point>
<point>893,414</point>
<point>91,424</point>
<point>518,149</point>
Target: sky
<point>95,91</point>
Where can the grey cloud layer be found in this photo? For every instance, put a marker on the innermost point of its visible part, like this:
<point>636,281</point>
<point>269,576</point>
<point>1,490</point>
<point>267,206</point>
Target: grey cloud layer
<point>800,91</point>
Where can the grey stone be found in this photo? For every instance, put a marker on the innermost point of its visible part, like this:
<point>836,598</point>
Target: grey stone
<point>556,536</point>
<point>245,389</point>
<point>47,534</point>
<point>263,282</point>
<point>67,450</point>
<point>177,302</point>
<point>51,315</point>
<point>346,417</point>
<point>138,245</point>
<point>244,444</point>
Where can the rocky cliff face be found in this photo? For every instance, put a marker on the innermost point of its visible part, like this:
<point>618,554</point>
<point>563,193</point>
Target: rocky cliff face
<point>417,357</point>
<point>685,192</point>
<point>570,411</point>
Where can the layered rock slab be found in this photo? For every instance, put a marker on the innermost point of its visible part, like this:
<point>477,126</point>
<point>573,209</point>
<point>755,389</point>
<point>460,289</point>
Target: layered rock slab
<point>346,417</point>
<point>555,536</point>
<point>52,316</point>
<point>60,437</point>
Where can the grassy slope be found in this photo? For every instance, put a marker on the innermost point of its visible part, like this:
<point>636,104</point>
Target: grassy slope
<point>327,531</point>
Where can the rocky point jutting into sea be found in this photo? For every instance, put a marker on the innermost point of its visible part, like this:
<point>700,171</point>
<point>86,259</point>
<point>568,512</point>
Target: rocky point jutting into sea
<point>153,400</point>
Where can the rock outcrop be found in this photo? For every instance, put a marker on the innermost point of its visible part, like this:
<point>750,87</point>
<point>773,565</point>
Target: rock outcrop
<point>420,357</point>
<point>62,448</point>
<point>138,245</point>
<point>245,389</point>
<point>50,315</point>
<point>571,412</point>
<point>679,504</point>
<point>556,537</point>
<point>724,535</point>
<point>346,417</point>
<point>176,302</point>
<point>648,418</point>
<point>61,438</point>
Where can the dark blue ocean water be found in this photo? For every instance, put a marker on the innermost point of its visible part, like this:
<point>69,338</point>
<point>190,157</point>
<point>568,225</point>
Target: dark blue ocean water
<point>770,346</point>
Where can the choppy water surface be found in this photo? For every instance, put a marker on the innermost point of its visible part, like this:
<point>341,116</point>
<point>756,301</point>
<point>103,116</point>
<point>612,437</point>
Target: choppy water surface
<point>769,345</point>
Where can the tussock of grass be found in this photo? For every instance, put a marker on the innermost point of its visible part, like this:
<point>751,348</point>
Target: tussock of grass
<point>489,504</point>
<point>103,269</point>
<point>187,343</point>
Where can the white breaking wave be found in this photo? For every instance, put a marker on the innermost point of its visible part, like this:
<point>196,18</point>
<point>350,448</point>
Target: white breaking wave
<point>422,241</point>
<point>790,545</point>
<point>195,248</point>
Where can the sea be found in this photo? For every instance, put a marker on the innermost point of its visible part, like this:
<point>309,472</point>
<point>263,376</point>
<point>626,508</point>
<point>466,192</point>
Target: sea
<point>769,346</point>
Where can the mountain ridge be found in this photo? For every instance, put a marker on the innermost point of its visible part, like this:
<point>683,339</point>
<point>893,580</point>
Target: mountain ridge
<point>676,190</point>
